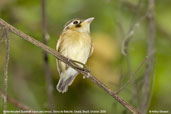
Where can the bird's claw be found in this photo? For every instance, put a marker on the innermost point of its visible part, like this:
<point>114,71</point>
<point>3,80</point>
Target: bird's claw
<point>86,76</point>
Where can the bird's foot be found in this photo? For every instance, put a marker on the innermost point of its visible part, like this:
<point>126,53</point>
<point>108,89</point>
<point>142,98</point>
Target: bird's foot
<point>86,76</point>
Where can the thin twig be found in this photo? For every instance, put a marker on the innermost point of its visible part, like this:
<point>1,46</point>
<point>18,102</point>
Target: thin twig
<point>6,69</point>
<point>131,30</point>
<point>65,60</point>
<point>159,28</point>
<point>132,76</point>
<point>46,60</point>
<point>150,61</point>
<point>126,37</point>
<point>14,101</point>
<point>114,95</point>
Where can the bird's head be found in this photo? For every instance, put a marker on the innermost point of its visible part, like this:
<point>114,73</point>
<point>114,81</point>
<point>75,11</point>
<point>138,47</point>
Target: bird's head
<point>79,25</point>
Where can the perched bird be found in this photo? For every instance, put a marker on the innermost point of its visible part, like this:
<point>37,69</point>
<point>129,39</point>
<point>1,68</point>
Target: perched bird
<point>74,43</point>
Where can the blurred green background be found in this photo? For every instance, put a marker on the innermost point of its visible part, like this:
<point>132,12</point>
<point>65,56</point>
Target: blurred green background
<point>27,81</point>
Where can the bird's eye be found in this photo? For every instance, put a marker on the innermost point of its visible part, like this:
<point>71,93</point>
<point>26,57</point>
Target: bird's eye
<point>75,22</point>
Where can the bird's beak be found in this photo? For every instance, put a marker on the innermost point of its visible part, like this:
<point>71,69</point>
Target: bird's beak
<point>89,20</point>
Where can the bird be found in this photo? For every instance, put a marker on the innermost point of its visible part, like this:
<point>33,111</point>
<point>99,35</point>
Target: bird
<point>74,43</point>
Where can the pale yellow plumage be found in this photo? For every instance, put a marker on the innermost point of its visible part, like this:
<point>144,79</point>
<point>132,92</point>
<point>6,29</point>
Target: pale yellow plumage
<point>76,44</point>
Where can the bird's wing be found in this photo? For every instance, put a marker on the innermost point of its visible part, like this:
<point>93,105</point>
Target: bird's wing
<point>58,44</point>
<point>91,49</point>
<point>59,47</point>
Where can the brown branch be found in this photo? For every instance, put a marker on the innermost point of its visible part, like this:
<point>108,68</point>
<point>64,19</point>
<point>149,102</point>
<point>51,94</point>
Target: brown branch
<point>46,60</point>
<point>66,60</point>
<point>150,61</point>
<point>15,102</point>
<point>6,69</point>
<point>2,35</point>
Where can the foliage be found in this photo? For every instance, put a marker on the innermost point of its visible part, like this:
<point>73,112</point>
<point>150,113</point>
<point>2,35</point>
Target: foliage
<point>26,72</point>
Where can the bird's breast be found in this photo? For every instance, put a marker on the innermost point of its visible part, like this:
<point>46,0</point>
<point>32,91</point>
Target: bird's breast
<point>77,46</point>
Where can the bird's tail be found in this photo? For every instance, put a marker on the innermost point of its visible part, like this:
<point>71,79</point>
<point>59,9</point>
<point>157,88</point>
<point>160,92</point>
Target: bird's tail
<point>64,82</point>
